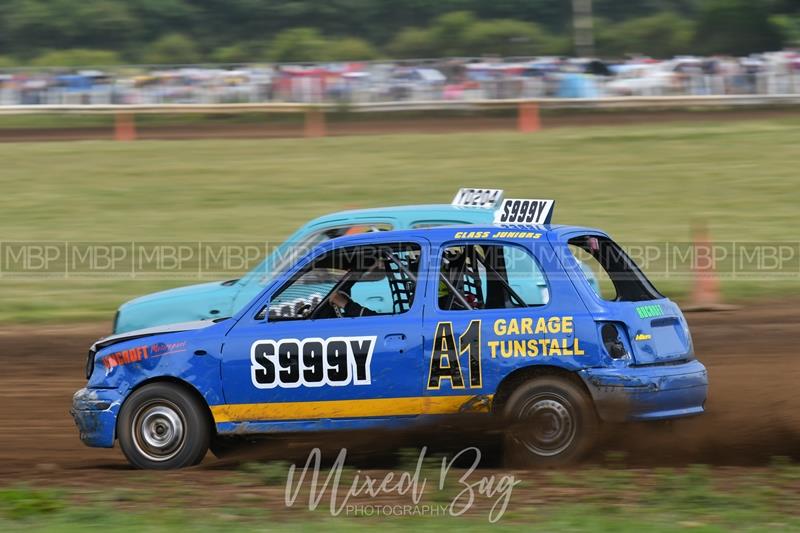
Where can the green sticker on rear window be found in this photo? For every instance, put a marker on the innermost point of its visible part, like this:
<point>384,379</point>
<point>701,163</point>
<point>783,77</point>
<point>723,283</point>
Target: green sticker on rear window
<point>649,311</point>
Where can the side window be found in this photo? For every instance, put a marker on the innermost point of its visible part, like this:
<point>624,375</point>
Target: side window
<point>525,276</point>
<point>610,272</point>
<point>350,282</point>
<point>422,224</point>
<point>306,292</point>
<point>348,229</point>
<point>391,292</point>
<point>594,273</point>
<point>479,276</point>
<point>298,249</point>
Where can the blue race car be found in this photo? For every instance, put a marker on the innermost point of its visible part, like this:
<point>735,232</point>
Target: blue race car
<point>469,328</point>
<point>224,298</point>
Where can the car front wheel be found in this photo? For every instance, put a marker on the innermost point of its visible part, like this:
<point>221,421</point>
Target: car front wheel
<point>551,422</point>
<point>162,426</point>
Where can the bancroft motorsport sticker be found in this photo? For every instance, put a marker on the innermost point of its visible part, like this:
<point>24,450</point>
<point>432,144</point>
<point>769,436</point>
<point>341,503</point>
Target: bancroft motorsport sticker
<point>141,353</point>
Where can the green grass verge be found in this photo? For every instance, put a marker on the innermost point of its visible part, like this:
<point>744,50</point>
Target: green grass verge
<point>641,183</point>
<point>696,498</point>
<point>561,518</point>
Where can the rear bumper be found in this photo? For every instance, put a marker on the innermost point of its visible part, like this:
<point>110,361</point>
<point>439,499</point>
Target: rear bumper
<point>648,393</point>
<point>95,413</point>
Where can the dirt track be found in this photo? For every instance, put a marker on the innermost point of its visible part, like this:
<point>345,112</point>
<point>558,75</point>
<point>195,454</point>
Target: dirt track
<point>753,409</point>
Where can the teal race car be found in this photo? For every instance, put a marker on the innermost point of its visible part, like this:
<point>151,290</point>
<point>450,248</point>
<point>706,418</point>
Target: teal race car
<point>224,298</point>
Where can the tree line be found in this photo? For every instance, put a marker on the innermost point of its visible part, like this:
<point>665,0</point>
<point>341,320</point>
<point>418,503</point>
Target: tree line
<point>105,32</point>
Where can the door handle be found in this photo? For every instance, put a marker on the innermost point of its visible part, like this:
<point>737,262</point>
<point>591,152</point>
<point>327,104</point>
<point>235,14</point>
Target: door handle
<point>396,341</point>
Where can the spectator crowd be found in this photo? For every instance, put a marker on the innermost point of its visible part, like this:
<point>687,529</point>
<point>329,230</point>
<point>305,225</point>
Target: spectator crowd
<point>381,81</point>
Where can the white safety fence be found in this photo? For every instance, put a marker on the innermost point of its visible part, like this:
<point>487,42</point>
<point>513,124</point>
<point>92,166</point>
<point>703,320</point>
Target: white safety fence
<point>319,90</point>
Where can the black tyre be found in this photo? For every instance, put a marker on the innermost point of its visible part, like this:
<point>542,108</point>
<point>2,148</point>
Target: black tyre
<point>162,426</point>
<point>551,422</point>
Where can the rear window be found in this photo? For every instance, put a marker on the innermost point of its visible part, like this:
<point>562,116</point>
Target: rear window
<point>610,272</point>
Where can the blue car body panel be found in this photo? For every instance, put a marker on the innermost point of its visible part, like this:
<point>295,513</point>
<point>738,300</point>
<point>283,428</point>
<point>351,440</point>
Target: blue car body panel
<point>658,378</point>
<point>224,298</point>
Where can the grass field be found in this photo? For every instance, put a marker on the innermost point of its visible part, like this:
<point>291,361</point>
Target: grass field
<point>694,498</point>
<point>640,183</point>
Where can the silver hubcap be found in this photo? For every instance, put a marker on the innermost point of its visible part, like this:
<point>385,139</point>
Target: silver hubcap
<point>158,430</point>
<point>548,424</point>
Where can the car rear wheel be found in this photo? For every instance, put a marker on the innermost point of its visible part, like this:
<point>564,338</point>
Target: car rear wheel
<point>551,422</point>
<point>162,426</point>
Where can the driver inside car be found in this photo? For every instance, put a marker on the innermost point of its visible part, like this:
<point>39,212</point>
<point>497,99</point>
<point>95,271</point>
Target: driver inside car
<point>382,274</point>
<point>348,307</point>
<point>343,305</point>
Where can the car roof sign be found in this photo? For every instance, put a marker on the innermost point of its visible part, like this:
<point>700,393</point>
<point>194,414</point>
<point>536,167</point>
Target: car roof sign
<point>524,211</point>
<point>482,198</point>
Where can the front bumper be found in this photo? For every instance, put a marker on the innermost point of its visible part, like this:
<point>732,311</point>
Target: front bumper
<point>95,413</point>
<point>648,392</point>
